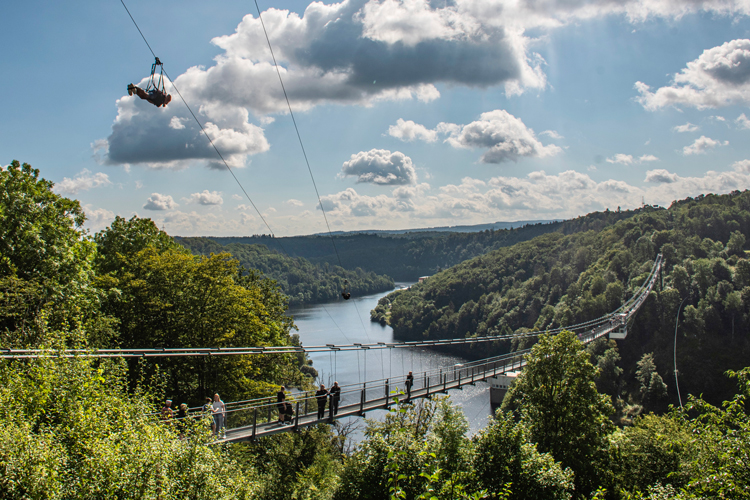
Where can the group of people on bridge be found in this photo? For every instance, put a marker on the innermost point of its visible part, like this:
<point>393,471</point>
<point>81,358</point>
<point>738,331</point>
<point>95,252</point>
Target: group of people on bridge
<point>215,407</point>
<point>286,412</point>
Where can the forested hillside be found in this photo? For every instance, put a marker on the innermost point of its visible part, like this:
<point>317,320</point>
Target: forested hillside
<point>301,281</point>
<point>404,257</point>
<point>556,280</point>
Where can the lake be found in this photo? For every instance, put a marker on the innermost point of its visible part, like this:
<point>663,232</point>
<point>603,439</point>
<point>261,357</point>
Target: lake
<point>348,322</point>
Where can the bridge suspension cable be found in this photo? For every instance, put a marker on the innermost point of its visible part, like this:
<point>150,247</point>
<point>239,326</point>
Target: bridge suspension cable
<point>620,316</point>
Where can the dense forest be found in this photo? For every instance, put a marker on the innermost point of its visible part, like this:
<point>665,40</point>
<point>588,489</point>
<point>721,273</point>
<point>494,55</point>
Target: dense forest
<point>88,428</point>
<point>557,280</point>
<point>300,280</point>
<point>407,256</point>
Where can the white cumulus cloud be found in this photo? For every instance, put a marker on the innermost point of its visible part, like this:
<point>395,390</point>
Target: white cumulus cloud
<point>159,201</point>
<point>380,166</point>
<point>504,136</point>
<point>83,181</point>
<point>409,131</point>
<point>701,145</point>
<point>661,176</point>
<point>551,134</point>
<point>647,158</point>
<point>688,127</point>
<point>206,198</point>
<point>622,159</point>
<point>718,77</point>
<point>294,203</point>
<point>742,121</point>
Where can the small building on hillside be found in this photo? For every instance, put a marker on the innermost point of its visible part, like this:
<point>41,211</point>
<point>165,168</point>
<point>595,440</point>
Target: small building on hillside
<point>422,278</point>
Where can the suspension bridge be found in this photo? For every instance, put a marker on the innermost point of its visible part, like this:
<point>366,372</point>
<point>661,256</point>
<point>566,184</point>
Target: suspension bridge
<point>251,419</point>
<point>256,418</point>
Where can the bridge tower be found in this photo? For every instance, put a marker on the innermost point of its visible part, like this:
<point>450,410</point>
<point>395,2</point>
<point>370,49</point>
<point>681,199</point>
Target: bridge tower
<point>620,321</point>
<point>499,387</point>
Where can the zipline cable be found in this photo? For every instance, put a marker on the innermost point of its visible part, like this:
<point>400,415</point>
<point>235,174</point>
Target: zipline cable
<point>200,124</point>
<point>227,165</point>
<point>304,154</point>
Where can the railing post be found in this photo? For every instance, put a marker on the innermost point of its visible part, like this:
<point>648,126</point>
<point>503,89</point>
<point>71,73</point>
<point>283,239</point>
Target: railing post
<point>330,407</point>
<point>296,418</point>
<point>362,403</point>
<point>269,412</point>
<point>306,399</point>
<point>427,385</point>
<point>255,421</point>
<point>387,394</point>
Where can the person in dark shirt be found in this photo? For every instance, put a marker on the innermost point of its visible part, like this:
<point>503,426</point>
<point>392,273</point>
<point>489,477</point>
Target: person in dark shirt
<point>335,398</point>
<point>409,383</point>
<point>281,405</point>
<point>182,415</point>
<point>321,395</point>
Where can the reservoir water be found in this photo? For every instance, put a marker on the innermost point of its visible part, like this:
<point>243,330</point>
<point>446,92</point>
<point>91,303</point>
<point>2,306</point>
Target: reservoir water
<point>348,322</point>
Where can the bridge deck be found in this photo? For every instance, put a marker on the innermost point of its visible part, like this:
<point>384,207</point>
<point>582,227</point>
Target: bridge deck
<point>251,432</point>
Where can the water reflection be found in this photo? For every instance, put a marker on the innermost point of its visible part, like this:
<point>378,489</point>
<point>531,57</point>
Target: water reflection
<point>348,322</point>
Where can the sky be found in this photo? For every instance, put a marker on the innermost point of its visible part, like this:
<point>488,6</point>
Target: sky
<point>411,113</point>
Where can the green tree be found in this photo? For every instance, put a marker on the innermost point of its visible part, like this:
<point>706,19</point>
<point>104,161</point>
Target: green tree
<point>652,387</point>
<point>41,232</point>
<point>70,429</point>
<point>45,262</point>
<point>174,299</point>
<point>652,451</point>
<point>123,239</point>
<point>503,455</point>
<point>558,402</point>
<point>736,244</point>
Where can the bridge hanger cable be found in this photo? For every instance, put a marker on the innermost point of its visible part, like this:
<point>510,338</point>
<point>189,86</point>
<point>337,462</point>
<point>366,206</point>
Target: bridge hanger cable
<point>242,188</point>
<point>591,327</point>
<point>304,153</point>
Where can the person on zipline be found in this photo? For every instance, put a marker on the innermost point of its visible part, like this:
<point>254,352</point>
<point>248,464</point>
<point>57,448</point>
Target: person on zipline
<point>154,96</point>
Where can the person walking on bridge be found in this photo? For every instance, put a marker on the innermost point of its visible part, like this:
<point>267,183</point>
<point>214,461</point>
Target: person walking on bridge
<point>335,398</point>
<point>283,406</point>
<point>219,410</point>
<point>321,395</point>
<point>409,383</point>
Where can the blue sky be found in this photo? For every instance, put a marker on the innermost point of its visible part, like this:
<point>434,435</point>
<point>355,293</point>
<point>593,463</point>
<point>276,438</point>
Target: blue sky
<point>413,113</point>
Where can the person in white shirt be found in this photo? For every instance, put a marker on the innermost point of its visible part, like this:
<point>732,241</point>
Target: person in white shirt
<point>219,412</point>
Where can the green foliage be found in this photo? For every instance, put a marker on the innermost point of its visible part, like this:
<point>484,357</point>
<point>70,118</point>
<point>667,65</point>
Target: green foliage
<point>564,278</point>
<point>173,299</point>
<point>45,260</point>
<point>302,281</point>
<point>304,465</point>
<point>123,239</point>
<point>40,232</point>
<point>504,456</point>
<point>651,451</point>
<point>69,429</point>
<point>558,402</point>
